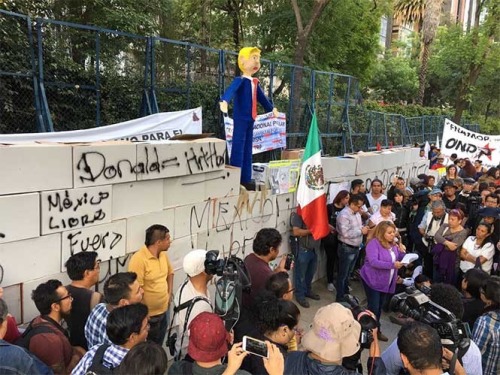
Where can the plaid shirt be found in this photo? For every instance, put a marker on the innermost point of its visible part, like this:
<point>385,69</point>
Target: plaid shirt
<point>95,328</point>
<point>486,335</point>
<point>113,356</point>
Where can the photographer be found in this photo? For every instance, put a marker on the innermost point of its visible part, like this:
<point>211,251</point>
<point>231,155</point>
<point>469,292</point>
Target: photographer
<point>449,298</point>
<point>427,228</point>
<point>423,356</point>
<point>334,335</point>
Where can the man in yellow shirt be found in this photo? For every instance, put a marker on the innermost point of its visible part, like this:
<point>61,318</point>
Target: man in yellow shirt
<point>156,276</point>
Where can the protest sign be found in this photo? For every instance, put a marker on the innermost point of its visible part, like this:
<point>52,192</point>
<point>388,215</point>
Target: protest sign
<point>468,144</point>
<point>269,132</point>
<point>156,127</point>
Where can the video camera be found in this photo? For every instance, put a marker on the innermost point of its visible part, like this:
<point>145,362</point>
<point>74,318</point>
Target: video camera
<point>417,305</point>
<point>364,318</point>
<point>234,280</point>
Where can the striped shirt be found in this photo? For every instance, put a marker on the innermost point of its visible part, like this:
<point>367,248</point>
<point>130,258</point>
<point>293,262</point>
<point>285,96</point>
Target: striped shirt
<point>95,328</point>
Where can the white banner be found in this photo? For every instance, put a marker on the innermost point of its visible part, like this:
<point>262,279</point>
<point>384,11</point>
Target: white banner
<point>157,127</point>
<point>269,132</point>
<point>468,144</point>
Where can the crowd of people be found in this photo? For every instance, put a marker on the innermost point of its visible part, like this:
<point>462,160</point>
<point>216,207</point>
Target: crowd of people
<point>439,235</point>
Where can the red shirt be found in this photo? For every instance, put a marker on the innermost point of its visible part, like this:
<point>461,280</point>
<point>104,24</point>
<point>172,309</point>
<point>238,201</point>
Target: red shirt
<point>259,272</point>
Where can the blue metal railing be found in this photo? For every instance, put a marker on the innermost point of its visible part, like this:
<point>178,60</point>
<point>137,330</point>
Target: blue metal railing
<point>85,76</point>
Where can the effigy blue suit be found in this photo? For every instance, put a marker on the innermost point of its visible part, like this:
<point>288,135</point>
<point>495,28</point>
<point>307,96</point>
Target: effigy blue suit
<point>241,154</point>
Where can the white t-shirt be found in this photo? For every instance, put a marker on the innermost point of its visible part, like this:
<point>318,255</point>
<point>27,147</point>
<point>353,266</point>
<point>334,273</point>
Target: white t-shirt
<point>487,251</point>
<point>375,203</point>
<point>188,293</point>
<point>376,218</point>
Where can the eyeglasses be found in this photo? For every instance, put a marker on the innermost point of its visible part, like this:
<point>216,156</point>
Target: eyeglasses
<point>65,297</point>
<point>290,291</point>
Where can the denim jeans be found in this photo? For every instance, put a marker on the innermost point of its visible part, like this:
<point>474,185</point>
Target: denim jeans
<point>305,268</point>
<point>375,300</point>
<point>347,261</point>
<point>158,328</point>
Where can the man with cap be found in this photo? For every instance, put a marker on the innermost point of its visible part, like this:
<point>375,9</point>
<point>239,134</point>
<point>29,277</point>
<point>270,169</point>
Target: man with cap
<point>208,343</point>
<point>427,228</point>
<point>468,187</point>
<point>450,196</point>
<point>434,195</point>
<point>439,163</point>
<point>193,294</point>
<point>334,335</point>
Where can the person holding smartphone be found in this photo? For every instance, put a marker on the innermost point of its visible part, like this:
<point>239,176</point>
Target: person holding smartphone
<point>277,321</point>
<point>334,335</point>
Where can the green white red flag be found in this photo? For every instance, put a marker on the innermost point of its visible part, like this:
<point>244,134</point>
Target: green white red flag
<point>311,196</point>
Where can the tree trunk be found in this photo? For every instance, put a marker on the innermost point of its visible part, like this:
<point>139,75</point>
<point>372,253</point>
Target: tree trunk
<point>301,43</point>
<point>422,76</point>
<point>298,76</point>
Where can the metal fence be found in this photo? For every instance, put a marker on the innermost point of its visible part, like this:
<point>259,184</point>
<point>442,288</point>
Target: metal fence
<point>57,75</point>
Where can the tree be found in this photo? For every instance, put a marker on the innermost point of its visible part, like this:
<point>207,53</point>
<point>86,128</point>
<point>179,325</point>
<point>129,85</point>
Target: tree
<point>395,80</point>
<point>410,11</point>
<point>426,13</point>
<point>304,31</point>
<point>483,44</point>
<point>430,24</point>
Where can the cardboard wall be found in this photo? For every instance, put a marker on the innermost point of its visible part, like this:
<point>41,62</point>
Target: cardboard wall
<point>56,200</point>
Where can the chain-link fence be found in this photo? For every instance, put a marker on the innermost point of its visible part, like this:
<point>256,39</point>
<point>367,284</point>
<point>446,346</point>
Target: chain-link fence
<point>57,75</point>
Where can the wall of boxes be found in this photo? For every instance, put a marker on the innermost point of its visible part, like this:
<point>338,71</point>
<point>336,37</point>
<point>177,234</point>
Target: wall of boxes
<point>59,199</point>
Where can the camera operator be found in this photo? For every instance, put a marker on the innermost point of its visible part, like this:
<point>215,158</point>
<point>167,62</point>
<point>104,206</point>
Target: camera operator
<point>334,335</point>
<point>427,228</point>
<point>449,298</point>
<point>192,298</point>
<point>423,356</point>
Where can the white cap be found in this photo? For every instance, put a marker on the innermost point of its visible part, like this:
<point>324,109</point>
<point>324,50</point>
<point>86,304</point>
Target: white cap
<point>194,262</point>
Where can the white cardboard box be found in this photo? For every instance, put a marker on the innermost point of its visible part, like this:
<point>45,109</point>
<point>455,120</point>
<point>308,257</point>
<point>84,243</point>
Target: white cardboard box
<point>20,217</point>
<point>162,159</point>
<point>137,198</point>
<point>62,210</point>
<point>36,167</point>
<point>30,259</point>
<point>338,166</point>
<point>105,163</point>
<point>109,240</point>
<point>137,225</point>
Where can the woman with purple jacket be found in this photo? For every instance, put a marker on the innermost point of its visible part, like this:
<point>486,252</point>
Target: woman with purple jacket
<point>380,271</point>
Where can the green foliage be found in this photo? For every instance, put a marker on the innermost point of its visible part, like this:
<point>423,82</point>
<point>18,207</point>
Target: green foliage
<point>343,43</point>
<point>394,80</point>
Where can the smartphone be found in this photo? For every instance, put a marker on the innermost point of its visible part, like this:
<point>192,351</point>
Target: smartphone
<point>288,263</point>
<point>255,346</point>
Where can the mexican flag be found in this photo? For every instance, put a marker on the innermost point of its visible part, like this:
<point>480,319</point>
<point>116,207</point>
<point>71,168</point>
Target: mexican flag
<point>311,195</point>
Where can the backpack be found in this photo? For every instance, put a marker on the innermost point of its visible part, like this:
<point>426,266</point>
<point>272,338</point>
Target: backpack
<point>172,337</point>
<point>24,340</point>
<point>97,366</point>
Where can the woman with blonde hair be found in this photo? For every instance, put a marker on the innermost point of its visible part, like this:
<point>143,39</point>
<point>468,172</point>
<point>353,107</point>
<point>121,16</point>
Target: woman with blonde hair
<point>380,270</point>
